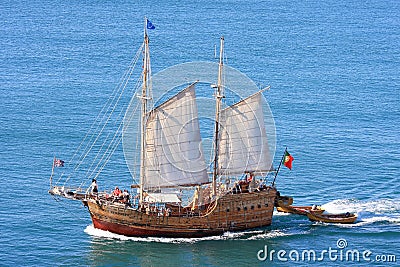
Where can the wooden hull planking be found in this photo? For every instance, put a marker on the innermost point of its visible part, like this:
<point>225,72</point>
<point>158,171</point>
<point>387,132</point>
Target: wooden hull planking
<point>301,210</point>
<point>333,218</point>
<point>231,212</point>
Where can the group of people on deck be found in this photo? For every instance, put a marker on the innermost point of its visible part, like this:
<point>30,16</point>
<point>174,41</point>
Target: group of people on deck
<point>249,184</point>
<point>116,196</point>
<point>120,196</point>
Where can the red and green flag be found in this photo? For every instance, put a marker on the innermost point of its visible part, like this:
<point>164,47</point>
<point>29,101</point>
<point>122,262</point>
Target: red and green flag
<point>287,160</point>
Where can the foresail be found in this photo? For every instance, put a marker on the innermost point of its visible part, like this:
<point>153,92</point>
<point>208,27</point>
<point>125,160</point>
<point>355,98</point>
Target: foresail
<point>173,154</point>
<point>243,144</point>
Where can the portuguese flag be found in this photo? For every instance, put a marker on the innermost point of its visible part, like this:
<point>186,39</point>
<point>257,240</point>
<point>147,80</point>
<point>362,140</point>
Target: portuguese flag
<point>287,160</point>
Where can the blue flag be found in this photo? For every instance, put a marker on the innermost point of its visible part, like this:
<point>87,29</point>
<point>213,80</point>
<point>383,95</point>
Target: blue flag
<point>150,25</point>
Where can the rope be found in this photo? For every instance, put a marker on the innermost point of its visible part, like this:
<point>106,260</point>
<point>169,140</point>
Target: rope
<point>102,120</point>
<point>117,132</point>
<point>108,119</point>
<point>114,144</point>
<point>106,107</point>
<point>210,210</point>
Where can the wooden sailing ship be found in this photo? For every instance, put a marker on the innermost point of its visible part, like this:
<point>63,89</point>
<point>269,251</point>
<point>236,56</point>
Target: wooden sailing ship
<point>170,159</point>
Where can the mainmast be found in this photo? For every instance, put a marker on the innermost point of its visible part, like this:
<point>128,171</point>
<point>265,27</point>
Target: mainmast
<point>144,97</point>
<point>219,94</point>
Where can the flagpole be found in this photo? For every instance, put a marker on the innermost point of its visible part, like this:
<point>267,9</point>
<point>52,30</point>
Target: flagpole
<point>52,172</point>
<point>279,167</point>
<point>145,27</point>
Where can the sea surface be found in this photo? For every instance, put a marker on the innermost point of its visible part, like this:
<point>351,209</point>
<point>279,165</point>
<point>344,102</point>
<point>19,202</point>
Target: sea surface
<point>334,72</point>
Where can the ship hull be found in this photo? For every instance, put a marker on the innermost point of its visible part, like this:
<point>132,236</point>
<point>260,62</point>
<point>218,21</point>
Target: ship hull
<point>137,231</point>
<point>231,212</point>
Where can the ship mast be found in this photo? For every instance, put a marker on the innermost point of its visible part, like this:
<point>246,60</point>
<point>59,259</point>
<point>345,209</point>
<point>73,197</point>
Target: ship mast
<point>144,98</point>
<point>218,97</point>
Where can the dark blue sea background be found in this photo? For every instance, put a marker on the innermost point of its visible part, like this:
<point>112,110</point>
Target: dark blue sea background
<point>334,72</point>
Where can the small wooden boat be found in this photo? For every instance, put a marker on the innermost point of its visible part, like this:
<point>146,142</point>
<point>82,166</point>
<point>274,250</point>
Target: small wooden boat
<point>301,210</point>
<point>332,218</point>
<point>283,201</point>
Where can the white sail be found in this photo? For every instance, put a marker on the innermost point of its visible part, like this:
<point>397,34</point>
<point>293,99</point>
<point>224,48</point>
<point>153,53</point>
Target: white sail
<point>173,154</point>
<point>243,144</point>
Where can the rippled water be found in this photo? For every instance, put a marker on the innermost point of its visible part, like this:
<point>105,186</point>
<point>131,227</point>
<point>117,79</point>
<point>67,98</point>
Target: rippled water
<point>334,71</point>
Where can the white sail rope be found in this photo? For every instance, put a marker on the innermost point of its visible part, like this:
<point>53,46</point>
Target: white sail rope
<point>138,137</point>
<point>150,103</point>
<point>111,102</point>
<point>137,155</point>
<point>115,123</point>
<point>104,124</point>
<point>112,145</point>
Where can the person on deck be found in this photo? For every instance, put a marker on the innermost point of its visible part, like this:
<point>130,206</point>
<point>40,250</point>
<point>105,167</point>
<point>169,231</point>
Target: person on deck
<point>126,198</point>
<point>93,188</point>
<point>116,193</point>
<point>249,177</point>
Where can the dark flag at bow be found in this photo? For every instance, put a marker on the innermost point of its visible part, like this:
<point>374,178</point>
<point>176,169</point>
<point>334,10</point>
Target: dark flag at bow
<point>58,163</point>
<point>150,25</point>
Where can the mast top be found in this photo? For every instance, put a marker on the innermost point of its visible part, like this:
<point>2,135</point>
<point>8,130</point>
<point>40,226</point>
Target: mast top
<point>220,93</point>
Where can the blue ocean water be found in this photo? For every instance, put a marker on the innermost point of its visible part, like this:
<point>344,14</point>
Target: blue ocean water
<point>334,71</point>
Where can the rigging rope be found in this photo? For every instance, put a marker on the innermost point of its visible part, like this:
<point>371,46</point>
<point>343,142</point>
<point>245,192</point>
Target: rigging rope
<point>106,140</point>
<point>123,81</point>
<point>102,119</point>
<point>111,147</point>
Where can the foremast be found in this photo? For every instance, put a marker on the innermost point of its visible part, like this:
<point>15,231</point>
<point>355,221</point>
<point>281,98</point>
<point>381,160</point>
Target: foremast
<point>219,94</point>
<point>144,98</point>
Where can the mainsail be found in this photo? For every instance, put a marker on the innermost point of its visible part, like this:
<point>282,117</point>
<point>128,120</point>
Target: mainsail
<point>243,145</point>
<point>173,154</point>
